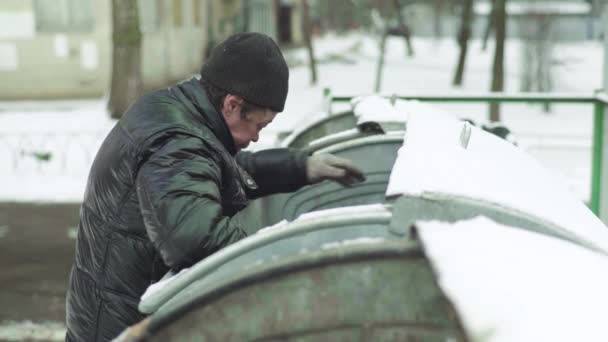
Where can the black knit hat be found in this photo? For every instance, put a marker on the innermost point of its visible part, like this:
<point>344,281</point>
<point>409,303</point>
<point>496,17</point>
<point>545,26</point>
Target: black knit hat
<point>249,65</point>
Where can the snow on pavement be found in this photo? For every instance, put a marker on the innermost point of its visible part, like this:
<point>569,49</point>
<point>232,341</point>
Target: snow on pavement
<point>30,331</point>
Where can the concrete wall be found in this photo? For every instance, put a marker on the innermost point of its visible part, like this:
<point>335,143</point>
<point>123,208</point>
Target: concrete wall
<point>36,65</point>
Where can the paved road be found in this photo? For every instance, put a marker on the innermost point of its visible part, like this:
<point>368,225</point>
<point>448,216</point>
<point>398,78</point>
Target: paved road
<point>35,258</point>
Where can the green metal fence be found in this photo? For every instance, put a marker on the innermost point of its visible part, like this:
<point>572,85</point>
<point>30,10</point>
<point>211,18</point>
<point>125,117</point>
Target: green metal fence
<point>598,101</point>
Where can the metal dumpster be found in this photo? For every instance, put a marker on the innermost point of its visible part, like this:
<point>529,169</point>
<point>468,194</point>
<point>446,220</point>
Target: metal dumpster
<point>328,125</point>
<point>336,274</point>
<point>307,234</point>
<point>374,154</point>
<point>376,292</point>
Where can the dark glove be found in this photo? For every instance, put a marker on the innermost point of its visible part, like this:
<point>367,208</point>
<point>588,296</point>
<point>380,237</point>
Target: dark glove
<point>322,167</point>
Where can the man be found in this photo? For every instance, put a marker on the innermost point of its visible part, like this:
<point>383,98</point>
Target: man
<point>168,185</point>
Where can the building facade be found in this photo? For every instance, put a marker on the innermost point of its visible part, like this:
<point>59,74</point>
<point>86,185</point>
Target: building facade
<point>63,48</point>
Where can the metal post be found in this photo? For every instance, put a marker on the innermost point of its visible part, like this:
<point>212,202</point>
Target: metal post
<point>602,187</point>
<point>596,157</point>
<point>327,99</point>
<point>605,29</point>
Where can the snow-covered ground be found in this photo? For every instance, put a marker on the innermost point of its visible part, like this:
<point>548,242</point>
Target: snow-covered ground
<point>30,331</point>
<point>71,131</point>
<point>46,147</point>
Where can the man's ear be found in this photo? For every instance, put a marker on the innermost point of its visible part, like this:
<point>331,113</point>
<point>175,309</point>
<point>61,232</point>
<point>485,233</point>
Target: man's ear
<point>231,104</point>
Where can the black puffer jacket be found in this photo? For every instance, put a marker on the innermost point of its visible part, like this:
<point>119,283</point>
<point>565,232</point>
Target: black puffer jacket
<point>164,192</point>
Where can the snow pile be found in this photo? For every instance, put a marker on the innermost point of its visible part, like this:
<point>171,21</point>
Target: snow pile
<point>375,108</point>
<point>508,284</point>
<point>445,159</point>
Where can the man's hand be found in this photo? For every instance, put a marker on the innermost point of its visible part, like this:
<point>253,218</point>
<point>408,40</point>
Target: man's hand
<point>320,167</point>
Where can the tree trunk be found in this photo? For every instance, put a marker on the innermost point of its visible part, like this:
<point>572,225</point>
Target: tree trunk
<point>126,84</point>
<point>246,16</point>
<point>210,30</point>
<point>380,63</point>
<point>489,27</point>
<point>527,63</point>
<point>276,10</point>
<point>463,40</point>
<point>438,6</point>
<point>307,30</point>
<point>498,66</point>
<point>543,54</point>
<point>403,28</point>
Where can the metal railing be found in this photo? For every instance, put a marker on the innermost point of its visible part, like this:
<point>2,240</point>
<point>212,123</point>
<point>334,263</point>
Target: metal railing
<point>598,101</point>
<point>46,153</point>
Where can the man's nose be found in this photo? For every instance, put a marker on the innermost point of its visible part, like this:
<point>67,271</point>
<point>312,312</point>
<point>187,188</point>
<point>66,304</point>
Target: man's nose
<point>256,137</point>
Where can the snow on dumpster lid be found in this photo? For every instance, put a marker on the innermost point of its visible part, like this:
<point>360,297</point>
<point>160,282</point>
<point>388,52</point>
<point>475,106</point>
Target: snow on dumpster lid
<point>445,158</point>
<point>376,108</point>
<point>509,284</point>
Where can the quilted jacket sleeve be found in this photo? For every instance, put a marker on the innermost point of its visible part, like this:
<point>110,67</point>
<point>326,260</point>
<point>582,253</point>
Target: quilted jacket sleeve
<point>180,199</point>
<point>275,170</point>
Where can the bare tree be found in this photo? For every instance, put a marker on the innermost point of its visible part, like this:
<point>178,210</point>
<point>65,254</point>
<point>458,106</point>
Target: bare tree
<point>307,30</point>
<point>438,9</point>
<point>126,84</point>
<point>384,29</point>
<point>338,15</point>
<point>463,39</point>
<point>246,14</point>
<point>537,53</point>
<point>489,27</point>
<point>403,29</point>
<point>276,10</point>
<point>380,26</point>
<point>210,31</point>
<point>380,66</point>
<point>498,65</point>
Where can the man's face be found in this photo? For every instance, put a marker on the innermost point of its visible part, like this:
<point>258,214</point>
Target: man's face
<point>245,129</point>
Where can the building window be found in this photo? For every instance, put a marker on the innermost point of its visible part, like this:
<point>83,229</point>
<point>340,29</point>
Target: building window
<point>149,16</point>
<point>64,15</point>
